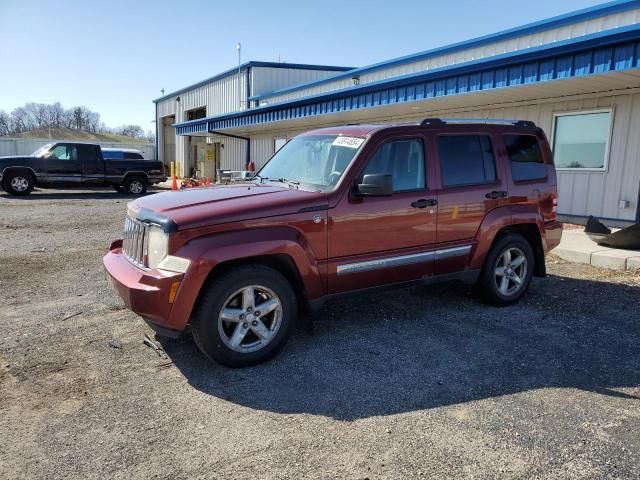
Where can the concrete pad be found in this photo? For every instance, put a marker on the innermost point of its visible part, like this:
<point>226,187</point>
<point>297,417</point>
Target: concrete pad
<point>575,246</point>
<point>613,259</point>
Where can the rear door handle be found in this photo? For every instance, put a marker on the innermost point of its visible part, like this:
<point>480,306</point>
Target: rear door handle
<point>424,203</point>
<point>496,194</point>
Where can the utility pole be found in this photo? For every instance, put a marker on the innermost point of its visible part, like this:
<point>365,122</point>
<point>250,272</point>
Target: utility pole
<point>239,47</point>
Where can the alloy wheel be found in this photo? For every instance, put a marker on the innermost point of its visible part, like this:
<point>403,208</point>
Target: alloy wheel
<point>511,271</point>
<point>250,318</point>
<point>136,187</point>
<point>19,184</point>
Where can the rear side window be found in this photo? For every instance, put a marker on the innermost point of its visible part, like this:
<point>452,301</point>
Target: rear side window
<point>88,153</point>
<point>525,157</point>
<point>466,160</point>
<point>133,156</point>
<point>403,160</point>
<point>113,155</point>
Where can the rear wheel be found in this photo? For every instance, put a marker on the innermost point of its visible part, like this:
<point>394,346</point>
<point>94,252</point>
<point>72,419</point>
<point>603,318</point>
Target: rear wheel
<point>507,271</point>
<point>18,183</point>
<point>245,317</point>
<point>135,185</point>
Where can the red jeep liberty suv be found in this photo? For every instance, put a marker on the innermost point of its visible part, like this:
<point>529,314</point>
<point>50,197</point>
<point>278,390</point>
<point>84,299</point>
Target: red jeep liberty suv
<point>337,210</point>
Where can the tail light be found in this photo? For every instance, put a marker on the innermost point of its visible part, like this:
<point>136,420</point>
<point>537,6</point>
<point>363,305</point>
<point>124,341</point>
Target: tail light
<point>554,208</point>
<point>163,169</point>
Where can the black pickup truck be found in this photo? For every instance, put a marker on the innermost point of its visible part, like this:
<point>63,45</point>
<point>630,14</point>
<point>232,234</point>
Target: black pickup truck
<point>66,164</point>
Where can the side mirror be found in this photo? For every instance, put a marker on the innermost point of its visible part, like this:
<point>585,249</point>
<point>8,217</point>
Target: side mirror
<point>375,185</point>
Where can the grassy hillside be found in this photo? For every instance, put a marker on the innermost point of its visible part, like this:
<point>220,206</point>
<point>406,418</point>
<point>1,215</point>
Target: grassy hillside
<point>77,135</point>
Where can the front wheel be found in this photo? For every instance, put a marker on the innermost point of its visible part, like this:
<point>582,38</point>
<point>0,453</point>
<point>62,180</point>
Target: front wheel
<point>507,271</point>
<point>18,183</point>
<point>134,186</point>
<point>245,317</point>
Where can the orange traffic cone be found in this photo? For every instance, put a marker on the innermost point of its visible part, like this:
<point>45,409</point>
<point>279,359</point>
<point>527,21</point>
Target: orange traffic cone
<point>208,182</point>
<point>174,183</point>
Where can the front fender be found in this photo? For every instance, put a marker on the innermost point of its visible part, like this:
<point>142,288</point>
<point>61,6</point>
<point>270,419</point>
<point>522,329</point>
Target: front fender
<point>209,251</point>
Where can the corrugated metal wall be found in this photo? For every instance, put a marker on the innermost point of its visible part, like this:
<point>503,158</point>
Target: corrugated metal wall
<point>220,97</point>
<point>550,36</point>
<point>581,193</point>
<point>20,146</point>
<point>267,79</point>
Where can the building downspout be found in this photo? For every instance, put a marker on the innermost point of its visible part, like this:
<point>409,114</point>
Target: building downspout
<point>246,139</point>
<point>157,136</point>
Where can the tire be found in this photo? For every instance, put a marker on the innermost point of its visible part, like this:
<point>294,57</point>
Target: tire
<point>498,281</point>
<point>118,188</point>
<point>18,183</point>
<point>218,337</point>
<point>135,185</point>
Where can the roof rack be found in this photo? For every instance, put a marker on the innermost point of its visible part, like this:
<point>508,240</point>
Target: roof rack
<point>495,121</point>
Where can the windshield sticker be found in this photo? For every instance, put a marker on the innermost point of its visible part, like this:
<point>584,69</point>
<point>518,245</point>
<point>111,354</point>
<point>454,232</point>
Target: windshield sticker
<point>349,142</point>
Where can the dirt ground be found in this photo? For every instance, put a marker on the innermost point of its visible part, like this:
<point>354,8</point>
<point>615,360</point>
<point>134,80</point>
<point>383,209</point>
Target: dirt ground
<point>415,383</point>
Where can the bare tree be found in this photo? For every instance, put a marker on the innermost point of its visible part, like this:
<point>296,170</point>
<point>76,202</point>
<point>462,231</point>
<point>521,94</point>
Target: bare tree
<point>93,121</point>
<point>56,114</point>
<point>20,120</point>
<point>78,117</point>
<point>133,131</point>
<point>38,116</point>
<point>5,123</point>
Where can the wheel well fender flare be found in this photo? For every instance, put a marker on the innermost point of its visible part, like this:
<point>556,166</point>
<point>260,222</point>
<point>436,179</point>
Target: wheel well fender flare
<point>135,174</point>
<point>11,169</point>
<point>209,254</point>
<point>525,220</point>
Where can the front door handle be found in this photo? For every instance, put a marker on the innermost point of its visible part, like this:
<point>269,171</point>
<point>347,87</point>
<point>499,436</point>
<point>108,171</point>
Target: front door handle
<point>424,203</point>
<point>496,194</point>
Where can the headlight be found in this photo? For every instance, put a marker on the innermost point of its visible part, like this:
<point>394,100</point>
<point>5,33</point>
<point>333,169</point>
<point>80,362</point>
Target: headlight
<point>158,246</point>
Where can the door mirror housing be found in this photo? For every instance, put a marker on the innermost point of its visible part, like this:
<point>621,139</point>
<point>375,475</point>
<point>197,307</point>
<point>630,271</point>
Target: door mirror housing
<point>375,185</point>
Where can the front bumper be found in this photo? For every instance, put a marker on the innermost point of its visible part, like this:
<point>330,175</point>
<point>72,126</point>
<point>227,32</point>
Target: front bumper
<point>145,292</point>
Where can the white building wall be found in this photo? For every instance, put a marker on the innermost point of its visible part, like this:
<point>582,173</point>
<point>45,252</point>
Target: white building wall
<point>581,193</point>
<point>221,96</point>
<point>550,36</point>
<point>267,79</point>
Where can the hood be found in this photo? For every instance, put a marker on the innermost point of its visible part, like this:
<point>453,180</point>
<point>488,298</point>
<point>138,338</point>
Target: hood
<point>13,158</point>
<point>198,207</point>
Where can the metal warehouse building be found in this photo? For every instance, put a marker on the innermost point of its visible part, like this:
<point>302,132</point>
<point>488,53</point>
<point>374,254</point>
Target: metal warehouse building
<point>577,76</point>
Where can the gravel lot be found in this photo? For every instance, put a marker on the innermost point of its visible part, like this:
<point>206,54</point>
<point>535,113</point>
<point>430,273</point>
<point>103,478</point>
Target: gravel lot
<point>421,382</point>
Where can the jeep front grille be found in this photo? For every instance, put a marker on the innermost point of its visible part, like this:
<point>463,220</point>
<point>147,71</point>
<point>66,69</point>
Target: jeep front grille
<point>134,241</point>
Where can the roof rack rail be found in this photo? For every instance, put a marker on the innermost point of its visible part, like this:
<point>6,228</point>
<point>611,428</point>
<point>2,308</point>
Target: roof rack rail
<point>497,121</point>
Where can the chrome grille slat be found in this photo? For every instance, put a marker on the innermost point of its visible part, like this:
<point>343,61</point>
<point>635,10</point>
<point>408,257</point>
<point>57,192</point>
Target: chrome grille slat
<point>134,239</point>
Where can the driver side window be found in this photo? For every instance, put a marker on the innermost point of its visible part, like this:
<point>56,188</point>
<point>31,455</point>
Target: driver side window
<point>64,152</point>
<point>403,160</point>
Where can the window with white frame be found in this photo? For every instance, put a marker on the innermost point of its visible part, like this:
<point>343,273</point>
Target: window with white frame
<point>581,140</point>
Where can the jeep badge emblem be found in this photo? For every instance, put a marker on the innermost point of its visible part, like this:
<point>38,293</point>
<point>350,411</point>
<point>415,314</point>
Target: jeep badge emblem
<point>317,219</point>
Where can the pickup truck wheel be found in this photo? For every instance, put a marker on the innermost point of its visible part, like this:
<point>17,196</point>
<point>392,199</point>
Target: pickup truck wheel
<point>507,271</point>
<point>135,185</point>
<point>245,317</point>
<point>18,183</point>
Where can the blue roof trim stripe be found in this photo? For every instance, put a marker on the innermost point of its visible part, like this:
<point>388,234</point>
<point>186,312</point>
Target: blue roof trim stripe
<point>601,53</point>
<point>554,22</point>
<point>251,64</point>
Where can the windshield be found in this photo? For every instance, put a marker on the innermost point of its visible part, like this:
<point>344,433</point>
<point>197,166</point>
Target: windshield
<point>40,152</point>
<point>315,161</point>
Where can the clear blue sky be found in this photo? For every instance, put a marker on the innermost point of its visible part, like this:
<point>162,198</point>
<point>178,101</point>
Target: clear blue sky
<point>114,56</point>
